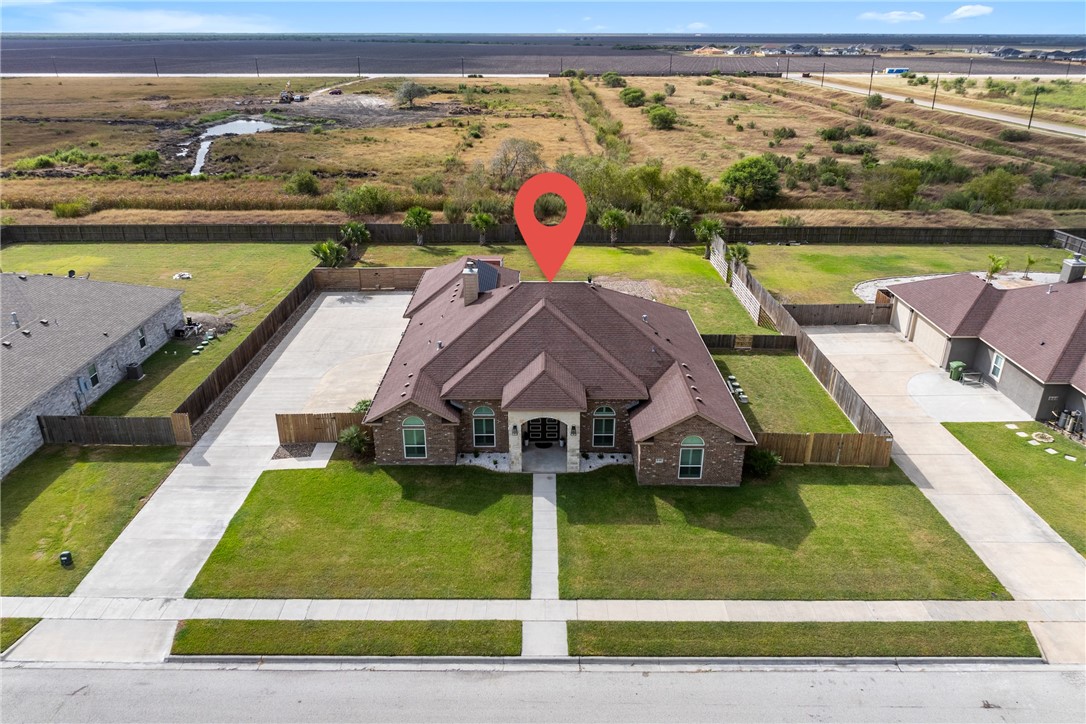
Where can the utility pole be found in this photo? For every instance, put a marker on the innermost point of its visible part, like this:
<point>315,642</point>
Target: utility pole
<point>461,67</point>
<point>872,81</point>
<point>936,93</point>
<point>1068,73</point>
<point>787,65</point>
<point>970,70</point>
<point>561,65</point>
<point>156,66</point>
<point>55,71</point>
<point>257,61</point>
<point>1036,92</point>
<point>671,60</point>
<point>823,76</point>
<point>358,58</point>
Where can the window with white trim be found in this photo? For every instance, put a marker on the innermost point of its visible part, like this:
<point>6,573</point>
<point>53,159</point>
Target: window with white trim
<point>691,458</point>
<point>92,372</point>
<point>603,427</point>
<point>997,365</point>
<point>143,338</point>
<point>414,438</point>
<point>483,427</point>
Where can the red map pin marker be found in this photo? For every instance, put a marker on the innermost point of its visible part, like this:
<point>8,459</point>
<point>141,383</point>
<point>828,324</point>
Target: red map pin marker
<point>550,245</point>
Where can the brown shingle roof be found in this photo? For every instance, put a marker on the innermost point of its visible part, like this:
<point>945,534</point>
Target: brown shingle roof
<point>544,385</point>
<point>442,278</point>
<point>613,345</point>
<point>1043,333</point>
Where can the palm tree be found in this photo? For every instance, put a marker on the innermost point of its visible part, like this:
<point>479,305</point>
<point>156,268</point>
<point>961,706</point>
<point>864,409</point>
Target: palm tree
<point>1030,261</point>
<point>705,231</point>
<point>736,253</point>
<point>996,264</point>
<point>614,220</point>
<point>329,253</point>
<point>482,222</point>
<point>676,219</point>
<point>420,220</point>
<point>352,235</point>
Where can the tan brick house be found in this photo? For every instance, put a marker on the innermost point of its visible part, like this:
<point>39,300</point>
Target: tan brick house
<point>489,363</point>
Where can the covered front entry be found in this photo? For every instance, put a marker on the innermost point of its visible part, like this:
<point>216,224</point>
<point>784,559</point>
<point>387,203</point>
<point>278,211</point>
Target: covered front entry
<point>544,441</point>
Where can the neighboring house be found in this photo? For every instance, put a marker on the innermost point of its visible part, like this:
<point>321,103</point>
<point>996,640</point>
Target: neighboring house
<point>1029,343</point>
<point>65,342</point>
<point>489,363</point>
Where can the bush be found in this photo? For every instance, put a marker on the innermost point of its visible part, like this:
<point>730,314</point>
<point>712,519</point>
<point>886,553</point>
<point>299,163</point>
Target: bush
<point>632,97</point>
<point>780,134</point>
<point>72,209</point>
<point>37,162</point>
<point>752,180</point>
<point>658,98</point>
<point>669,89</point>
<point>791,221</point>
<point>705,81</point>
<point>611,79</point>
<point>329,253</point>
<point>760,463</point>
<point>1013,135</point>
<point>356,439</point>
<point>874,101</point>
<point>454,210</point>
<point>303,183</point>
<point>662,118</point>
<point>863,130</point>
<point>835,133</point>
<point>146,159</point>
<point>994,192</point>
<point>353,233</point>
<point>890,187</point>
<point>430,184</point>
<point>365,199</point>
<point>854,149</point>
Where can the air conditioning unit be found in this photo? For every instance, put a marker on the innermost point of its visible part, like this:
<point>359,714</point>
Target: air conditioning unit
<point>133,371</point>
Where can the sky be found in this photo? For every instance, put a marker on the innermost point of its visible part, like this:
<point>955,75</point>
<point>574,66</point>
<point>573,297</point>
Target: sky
<point>510,16</point>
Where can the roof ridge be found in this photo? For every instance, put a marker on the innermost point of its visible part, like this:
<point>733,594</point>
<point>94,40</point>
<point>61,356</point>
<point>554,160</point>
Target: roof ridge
<point>1070,351</point>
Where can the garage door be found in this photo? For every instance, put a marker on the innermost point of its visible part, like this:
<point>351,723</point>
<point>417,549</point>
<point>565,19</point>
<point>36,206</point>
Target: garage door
<point>900,320</point>
<point>930,340</point>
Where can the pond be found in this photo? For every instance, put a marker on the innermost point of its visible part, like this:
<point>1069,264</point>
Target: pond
<point>233,128</point>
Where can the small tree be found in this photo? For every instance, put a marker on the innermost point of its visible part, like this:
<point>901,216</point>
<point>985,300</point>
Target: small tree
<point>736,253</point>
<point>752,180</point>
<point>420,220</point>
<point>632,97</point>
<point>662,118</point>
<point>410,91</point>
<point>1030,261</point>
<point>611,79</point>
<point>352,235</point>
<point>996,264</point>
<point>995,191</point>
<point>303,183</point>
<point>329,253</point>
<point>515,160</point>
<point>676,219</point>
<point>482,222</point>
<point>874,101</point>
<point>614,220</point>
<point>705,231</point>
<point>890,187</point>
<point>669,89</point>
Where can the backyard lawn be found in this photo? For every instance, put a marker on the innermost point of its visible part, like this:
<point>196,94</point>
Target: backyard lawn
<point>676,275</point>
<point>348,638</point>
<point>784,395</point>
<point>826,274</point>
<point>806,533</point>
<point>1054,487</point>
<point>362,531</point>
<point>702,638</point>
<point>69,498</point>
<point>241,282</point>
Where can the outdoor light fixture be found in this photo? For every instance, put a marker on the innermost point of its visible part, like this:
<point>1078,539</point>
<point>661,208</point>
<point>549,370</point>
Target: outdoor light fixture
<point>514,429</point>
<point>572,429</point>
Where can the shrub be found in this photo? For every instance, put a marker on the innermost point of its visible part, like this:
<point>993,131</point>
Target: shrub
<point>662,118</point>
<point>329,253</point>
<point>760,463</point>
<point>146,159</point>
<point>1039,179</point>
<point>1013,135</point>
<point>549,206</point>
<point>356,439</point>
<point>834,133</point>
<point>780,134</point>
<point>419,220</point>
<point>632,97</point>
<point>863,130</point>
<point>365,199</point>
<point>72,209</point>
<point>454,210</point>
<point>410,91</point>
<point>354,233</point>
<point>874,101</point>
<point>430,184</point>
<point>303,183</point>
<point>890,187</point>
<point>611,79</point>
<point>994,192</point>
<point>752,180</point>
<point>669,89</point>
<point>791,221</point>
<point>362,406</point>
<point>37,162</point>
<point>705,81</point>
<point>658,98</point>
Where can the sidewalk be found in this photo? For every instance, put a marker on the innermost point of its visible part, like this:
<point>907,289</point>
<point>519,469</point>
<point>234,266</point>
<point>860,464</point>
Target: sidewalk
<point>544,632</point>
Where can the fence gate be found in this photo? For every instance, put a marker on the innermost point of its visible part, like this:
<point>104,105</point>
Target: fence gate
<point>315,427</point>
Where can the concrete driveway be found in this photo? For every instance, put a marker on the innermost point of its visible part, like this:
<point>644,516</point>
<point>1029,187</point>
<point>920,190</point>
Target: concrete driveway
<point>903,388</point>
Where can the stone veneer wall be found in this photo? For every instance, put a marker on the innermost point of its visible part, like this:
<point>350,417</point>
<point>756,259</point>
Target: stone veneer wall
<point>440,438</point>
<point>723,462</point>
<point>21,435</point>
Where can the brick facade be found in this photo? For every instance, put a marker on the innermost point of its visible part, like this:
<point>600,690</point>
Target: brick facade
<point>723,460</point>
<point>466,429</point>
<point>441,438</point>
<point>21,434</point>
<point>623,436</point>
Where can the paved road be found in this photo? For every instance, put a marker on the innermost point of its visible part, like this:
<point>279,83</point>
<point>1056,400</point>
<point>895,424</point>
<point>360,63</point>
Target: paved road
<point>948,694</point>
<point>1052,126</point>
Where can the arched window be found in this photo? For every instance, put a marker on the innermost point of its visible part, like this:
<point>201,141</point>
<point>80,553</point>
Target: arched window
<point>483,426</point>
<point>414,438</point>
<point>691,458</point>
<point>603,427</point>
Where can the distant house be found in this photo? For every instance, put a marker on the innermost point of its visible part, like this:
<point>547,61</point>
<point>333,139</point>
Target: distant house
<point>741,50</point>
<point>770,50</point>
<point>1006,53</point>
<point>1029,343</point>
<point>66,341</point>
<point>533,370</point>
<point>798,49</point>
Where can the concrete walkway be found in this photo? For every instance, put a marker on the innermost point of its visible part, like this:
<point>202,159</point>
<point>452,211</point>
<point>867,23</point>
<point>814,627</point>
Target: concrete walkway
<point>1029,558</point>
<point>544,630</point>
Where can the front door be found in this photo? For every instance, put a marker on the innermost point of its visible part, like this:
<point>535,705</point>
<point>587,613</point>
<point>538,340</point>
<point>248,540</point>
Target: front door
<point>542,429</point>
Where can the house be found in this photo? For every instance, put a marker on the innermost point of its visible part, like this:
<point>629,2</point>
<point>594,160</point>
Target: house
<point>741,50</point>
<point>1006,53</point>
<point>1029,342</point>
<point>66,341</point>
<point>492,364</point>
<point>798,49</point>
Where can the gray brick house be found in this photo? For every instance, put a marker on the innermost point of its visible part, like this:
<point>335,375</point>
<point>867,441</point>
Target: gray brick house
<point>65,342</point>
<point>489,363</point>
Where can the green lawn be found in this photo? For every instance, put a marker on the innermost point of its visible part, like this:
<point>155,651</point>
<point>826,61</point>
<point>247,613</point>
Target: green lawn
<point>376,532</point>
<point>807,533</point>
<point>678,275</point>
<point>242,282</point>
<point>348,638</point>
<point>784,395</point>
<point>1054,487</point>
<point>826,274</point>
<point>928,638</point>
<point>71,498</point>
<point>12,629</point>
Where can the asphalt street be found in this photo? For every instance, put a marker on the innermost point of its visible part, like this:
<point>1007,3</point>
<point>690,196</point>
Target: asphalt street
<point>938,694</point>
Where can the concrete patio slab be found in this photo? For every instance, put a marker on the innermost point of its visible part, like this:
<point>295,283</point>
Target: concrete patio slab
<point>948,401</point>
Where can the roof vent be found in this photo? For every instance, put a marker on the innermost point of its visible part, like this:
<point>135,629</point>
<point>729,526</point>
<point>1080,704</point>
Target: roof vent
<point>695,389</point>
<point>6,343</point>
<point>690,377</point>
<point>23,277</point>
<point>440,344</point>
<point>644,318</point>
<point>15,320</point>
<point>699,399</point>
<point>26,332</point>
<point>685,365</point>
<point>1049,288</point>
<point>44,322</point>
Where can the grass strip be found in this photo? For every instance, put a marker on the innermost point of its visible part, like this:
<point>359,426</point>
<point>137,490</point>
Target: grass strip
<point>920,638</point>
<point>12,629</point>
<point>348,638</point>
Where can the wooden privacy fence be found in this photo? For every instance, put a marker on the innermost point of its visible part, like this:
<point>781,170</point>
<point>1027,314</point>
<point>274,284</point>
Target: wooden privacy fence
<point>884,235</point>
<point>820,448</point>
<point>1071,242</point>
<point>315,427</point>
<point>749,341</point>
<point>92,430</point>
<point>813,315</point>
<point>366,278</point>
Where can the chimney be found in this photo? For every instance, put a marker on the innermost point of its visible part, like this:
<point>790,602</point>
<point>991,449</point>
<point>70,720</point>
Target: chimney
<point>1073,268</point>
<point>469,279</point>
